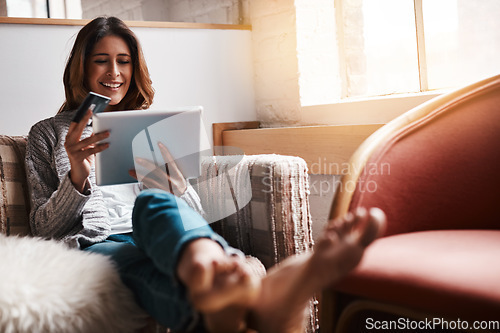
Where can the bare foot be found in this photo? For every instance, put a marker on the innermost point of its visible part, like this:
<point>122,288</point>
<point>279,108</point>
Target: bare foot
<point>287,288</point>
<point>232,284</point>
<point>221,287</point>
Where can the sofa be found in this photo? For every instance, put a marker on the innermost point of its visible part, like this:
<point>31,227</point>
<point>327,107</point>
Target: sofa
<point>435,172</point>
<point>271,222</point>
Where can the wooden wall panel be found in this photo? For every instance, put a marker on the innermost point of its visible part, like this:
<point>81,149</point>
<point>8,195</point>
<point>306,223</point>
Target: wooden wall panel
<point>326,149</point>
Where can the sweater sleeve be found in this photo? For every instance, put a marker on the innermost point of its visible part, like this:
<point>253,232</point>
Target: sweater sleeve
<point>56,206</point>
<point>58,210</point>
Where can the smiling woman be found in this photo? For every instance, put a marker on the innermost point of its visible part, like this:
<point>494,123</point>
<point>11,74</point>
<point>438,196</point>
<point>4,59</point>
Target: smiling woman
<point>109,68</point>
<point>107,59</point>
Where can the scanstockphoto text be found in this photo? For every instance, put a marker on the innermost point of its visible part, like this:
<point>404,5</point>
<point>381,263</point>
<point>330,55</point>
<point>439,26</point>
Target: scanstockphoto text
<point>435,324</point>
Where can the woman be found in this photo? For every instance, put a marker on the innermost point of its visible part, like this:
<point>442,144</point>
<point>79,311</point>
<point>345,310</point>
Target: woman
<point>175,274</point>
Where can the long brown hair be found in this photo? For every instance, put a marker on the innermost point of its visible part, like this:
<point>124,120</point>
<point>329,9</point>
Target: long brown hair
<point>140,93</point>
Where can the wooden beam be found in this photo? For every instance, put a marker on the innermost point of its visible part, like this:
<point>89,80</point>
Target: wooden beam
<point>326,149</point>
<point>146,24</point>
<point>219,128</point>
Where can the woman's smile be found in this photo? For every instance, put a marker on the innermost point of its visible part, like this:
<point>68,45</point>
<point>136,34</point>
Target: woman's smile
<point>112,85</point>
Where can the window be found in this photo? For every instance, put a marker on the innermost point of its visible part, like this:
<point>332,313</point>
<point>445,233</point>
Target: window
<point>45,8</point>
<point>399,46</point>
<point>27,8</point>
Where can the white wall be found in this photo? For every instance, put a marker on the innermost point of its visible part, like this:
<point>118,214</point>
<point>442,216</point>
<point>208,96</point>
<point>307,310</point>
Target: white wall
<point>274,38</point>
<point>212,68</point>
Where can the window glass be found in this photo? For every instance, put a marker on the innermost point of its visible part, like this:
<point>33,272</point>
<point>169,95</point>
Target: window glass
<point>380,47</point>
<point>38,8</point>
<point>462,41</point>
<point>27,8</point>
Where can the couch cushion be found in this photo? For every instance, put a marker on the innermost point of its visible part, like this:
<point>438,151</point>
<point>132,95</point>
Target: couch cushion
<point>448,272</point>
<point>14,202</point>
<point>440,172</point>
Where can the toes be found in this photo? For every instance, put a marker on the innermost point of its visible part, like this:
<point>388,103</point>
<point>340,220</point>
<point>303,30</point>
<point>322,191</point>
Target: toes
<point>379,216</point>
<point>360,226</point>
<point>344,225</point>
<point>374,227</point>
<point>330,238</point>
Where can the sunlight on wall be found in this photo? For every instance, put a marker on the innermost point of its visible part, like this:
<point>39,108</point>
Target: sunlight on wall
<point>317,52</point>
<point>276,72</point>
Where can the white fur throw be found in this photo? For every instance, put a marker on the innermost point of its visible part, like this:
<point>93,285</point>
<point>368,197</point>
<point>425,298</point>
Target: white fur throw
<point>46,287</point>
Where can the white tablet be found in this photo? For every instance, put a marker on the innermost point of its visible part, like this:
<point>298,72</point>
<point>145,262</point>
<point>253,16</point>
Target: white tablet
<point>136,134</point>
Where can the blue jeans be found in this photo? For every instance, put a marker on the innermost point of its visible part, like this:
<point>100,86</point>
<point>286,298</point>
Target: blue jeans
<point>147,258</point>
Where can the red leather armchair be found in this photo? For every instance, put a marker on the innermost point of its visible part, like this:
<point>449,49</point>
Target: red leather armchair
<point>435,171</point>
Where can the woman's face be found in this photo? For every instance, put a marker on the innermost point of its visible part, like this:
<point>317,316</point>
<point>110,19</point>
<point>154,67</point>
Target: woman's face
<point>109,68</point>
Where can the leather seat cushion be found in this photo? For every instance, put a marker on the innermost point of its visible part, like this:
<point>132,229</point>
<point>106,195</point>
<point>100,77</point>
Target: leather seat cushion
<point>447,272</point>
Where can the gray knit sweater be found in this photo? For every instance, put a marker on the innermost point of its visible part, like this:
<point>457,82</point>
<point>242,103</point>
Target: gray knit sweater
<point>58,210</point>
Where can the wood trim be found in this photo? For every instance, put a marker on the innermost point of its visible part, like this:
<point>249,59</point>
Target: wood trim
<point>41,21</point>
<point>326,149</point>
<point>421,54</point>
<point>141,24</point>
<point>219,128</point>
<point>339,25</point>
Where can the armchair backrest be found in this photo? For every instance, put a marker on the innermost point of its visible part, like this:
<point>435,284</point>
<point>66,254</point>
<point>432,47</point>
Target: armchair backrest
<point>14,201</point>
<point>434,167</point>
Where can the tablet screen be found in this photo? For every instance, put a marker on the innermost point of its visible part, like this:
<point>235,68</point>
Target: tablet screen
<point>136,134</point>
